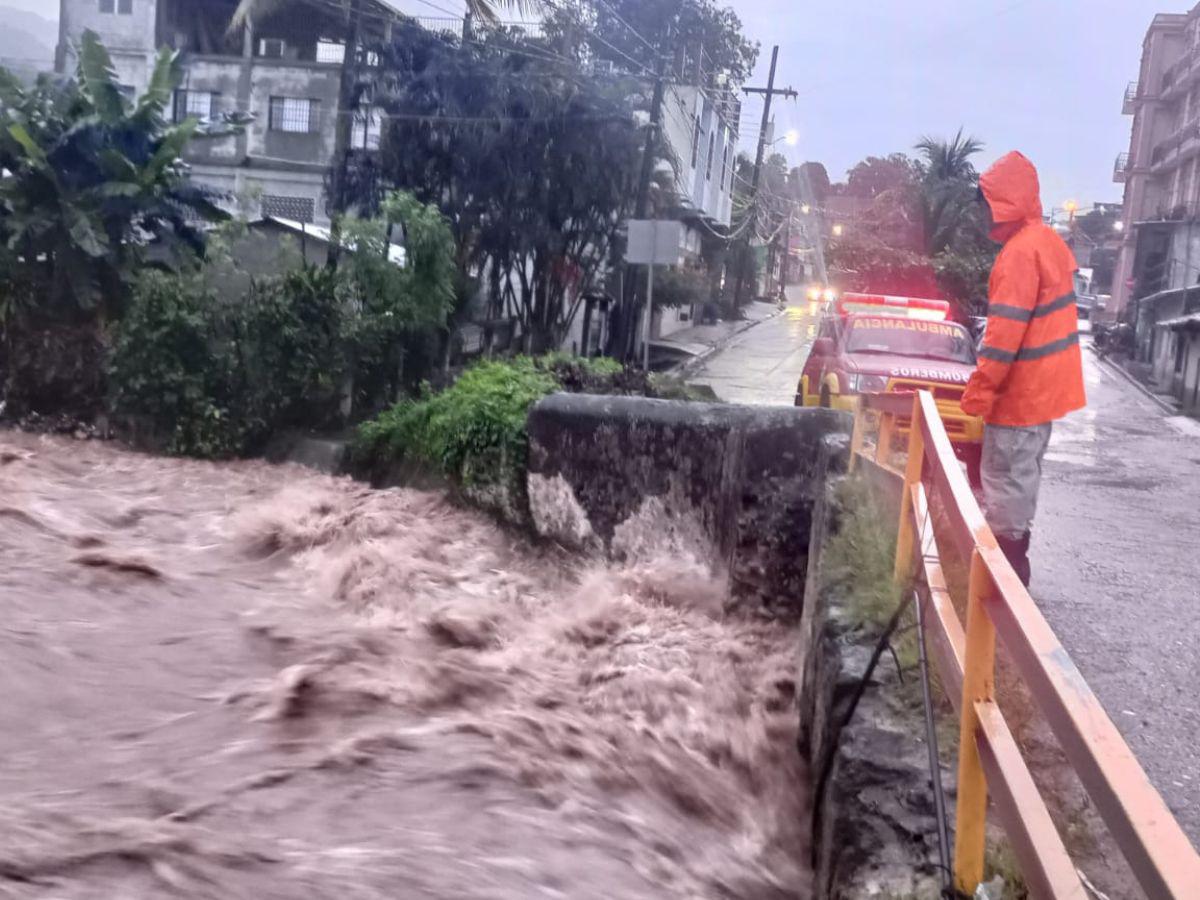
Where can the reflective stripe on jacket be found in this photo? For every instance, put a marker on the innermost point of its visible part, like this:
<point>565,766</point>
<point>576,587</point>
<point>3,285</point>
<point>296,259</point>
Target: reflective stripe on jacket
<point>1029,371</point>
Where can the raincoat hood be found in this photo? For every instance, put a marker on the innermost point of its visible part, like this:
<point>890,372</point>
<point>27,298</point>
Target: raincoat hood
<point>1012,190</point>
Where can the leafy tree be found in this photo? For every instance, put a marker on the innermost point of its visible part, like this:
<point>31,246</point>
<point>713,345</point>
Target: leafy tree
<point>1097,223</point>
<point>701,36</point>
<point>818,180</point>
<point>924,232</point>
<point>534,164</point>
<point>877,175</point>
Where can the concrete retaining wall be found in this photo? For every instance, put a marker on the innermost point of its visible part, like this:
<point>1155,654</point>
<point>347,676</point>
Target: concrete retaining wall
<point>734,484</point>
<point>874,827</point>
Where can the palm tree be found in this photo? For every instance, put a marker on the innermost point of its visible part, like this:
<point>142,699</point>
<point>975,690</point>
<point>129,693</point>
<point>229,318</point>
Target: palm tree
<point>947,190</point>
<point>949,160</point>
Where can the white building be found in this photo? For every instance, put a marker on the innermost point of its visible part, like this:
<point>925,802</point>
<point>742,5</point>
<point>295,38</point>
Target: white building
<point>701,127</point>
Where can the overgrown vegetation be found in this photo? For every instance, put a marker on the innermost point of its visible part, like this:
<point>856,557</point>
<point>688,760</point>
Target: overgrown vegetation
<point>474,432</point>
<point>91,180</point>
<point>215,374</point>
<point>858,561</point>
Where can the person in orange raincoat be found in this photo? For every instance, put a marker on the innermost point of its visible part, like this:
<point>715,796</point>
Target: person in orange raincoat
<point>1030,372</point>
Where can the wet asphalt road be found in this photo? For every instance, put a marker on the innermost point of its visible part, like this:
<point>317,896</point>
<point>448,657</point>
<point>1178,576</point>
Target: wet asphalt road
<point>1116,567</point>
<point>1117,574</point>
<point>762,365</point>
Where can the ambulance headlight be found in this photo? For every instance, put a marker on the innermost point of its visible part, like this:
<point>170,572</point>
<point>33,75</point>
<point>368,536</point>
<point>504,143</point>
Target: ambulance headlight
<point>866,384</point>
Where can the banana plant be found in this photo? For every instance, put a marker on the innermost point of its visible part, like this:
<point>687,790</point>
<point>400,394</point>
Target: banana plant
<point>90,179</point>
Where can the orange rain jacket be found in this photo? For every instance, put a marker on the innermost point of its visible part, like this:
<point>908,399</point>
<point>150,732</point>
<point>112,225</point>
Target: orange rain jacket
<point>1030,370</point>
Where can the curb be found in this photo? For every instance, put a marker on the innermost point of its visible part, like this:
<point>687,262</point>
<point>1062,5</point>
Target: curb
<point>686,368</point>
<point>1149,394</point>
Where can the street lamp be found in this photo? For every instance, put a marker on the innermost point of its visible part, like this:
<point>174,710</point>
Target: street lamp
<point>1118,226</point>
<point>837,230</point>
<point>805,208</point>
<point>791,137</point>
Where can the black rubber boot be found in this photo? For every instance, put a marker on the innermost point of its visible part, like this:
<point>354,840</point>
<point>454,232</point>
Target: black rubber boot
<point>1016,551</point>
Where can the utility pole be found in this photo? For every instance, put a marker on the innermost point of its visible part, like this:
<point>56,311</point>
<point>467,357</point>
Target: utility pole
<point>783,262</point>
<point>628,336</point>
<point>769,93</point>
<point>343,127</point>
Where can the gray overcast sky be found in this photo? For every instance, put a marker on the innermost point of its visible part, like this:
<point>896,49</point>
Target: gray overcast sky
<point>1042,76</point>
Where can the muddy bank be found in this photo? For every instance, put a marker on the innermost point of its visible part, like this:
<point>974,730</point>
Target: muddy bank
<point>246,680</point>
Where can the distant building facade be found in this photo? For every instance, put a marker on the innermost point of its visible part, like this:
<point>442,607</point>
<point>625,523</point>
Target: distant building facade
<point>285,71</point>
<point>1158,268</point>
<point>1161,169</point>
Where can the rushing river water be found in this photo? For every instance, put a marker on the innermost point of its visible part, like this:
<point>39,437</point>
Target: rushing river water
<point>244,680</point>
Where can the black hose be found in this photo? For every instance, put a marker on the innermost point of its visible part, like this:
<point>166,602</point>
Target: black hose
<point>931,741</point>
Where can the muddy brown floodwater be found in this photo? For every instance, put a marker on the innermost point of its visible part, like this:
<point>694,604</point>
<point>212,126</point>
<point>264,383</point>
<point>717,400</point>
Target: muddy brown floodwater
<point>244,680</point>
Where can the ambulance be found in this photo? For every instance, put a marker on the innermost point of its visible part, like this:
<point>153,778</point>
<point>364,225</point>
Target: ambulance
<point>872,343</point>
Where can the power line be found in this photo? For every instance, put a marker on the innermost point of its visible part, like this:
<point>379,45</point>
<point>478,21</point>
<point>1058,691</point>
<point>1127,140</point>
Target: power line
<point>451,13</point>
<point>588,31</point>
<point>632,30</point>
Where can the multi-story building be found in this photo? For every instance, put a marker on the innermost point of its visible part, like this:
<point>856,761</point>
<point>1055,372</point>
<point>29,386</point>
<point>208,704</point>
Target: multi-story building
<point>700,123</point>
<point>284,71</point>
<point>1158,269</point>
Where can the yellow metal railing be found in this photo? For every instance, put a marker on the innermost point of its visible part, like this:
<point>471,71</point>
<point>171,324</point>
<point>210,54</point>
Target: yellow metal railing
<point>932,487</point>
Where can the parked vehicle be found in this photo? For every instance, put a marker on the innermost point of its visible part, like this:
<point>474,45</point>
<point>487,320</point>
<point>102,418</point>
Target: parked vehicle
<point>873,343</point>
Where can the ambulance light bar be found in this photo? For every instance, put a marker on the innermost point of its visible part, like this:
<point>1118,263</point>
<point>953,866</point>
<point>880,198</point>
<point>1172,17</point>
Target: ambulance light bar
<point>881,304</point>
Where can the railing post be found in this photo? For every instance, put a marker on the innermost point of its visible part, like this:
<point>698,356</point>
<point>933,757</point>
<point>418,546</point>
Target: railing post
<point>912,476</point>
<point>883,440</point>
<point>979,662</point>
<point>858,435</point>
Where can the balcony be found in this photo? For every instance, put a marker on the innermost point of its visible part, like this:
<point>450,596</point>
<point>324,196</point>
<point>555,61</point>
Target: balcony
<point>1121,168</point>
<point>1180,212</point>
<point>1178,78</point>
<point>1131,97</point>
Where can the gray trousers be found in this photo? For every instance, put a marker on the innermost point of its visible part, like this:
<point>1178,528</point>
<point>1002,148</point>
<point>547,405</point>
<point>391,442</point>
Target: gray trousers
<point>1011,472</point>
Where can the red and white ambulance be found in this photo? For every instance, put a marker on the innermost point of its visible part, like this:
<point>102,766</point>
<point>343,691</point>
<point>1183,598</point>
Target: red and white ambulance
<point>871,343</point>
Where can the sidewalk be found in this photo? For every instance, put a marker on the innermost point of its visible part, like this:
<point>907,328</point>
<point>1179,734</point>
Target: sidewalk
<point>700,342</point>
<point>1137,375</point>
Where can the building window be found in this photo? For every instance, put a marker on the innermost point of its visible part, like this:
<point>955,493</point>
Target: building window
<point>329,51</point>
<point>367,129</point>
<point>696,143</point>
<point>194,105</point>
<point>712,148</point>
<point>271,48</point>
<point>123,7</point>
<point>295,209</point>
<point>296,115</point>
<point>725,167</point>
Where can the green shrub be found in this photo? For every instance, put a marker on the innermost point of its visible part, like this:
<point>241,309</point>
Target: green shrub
<point>216,376</point>
<point>293,329</point>
<point>174,362</point>
<point>858,561</point>
<point>473,433</point>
